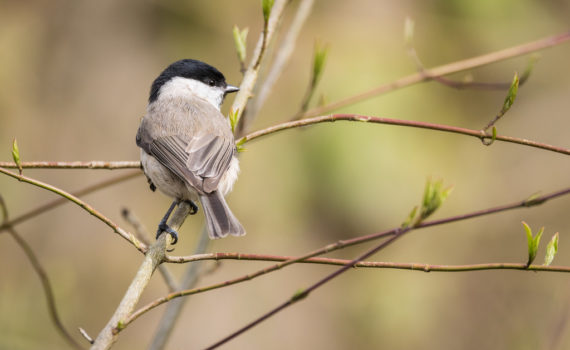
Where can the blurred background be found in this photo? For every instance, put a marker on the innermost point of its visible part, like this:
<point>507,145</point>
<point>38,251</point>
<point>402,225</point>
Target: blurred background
<point>75,77</point>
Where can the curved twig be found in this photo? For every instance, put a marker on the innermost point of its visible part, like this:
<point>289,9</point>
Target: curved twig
<point>390,121</point>
<point>116,228</point>
<point>446,69</point>
<point>380,264</point>
<point>59,201</point>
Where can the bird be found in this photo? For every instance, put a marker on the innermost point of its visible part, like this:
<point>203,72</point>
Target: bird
<point>187,146</point>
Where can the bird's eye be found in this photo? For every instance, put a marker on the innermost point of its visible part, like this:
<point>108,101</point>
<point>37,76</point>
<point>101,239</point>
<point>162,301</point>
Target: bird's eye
<point>210,82</point>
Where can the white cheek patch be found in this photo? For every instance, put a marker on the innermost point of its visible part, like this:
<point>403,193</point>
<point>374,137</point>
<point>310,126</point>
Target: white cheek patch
<point>178,86</point>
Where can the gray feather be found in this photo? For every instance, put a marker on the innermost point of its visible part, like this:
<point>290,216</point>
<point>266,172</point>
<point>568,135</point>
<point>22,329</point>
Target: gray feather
<point>219,218</point>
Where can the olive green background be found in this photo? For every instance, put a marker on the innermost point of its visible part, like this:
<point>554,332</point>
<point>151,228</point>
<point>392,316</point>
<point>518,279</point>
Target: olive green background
<point>74,81</point>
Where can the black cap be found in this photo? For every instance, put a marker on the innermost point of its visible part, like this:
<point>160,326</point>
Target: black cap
<point>188,68</point>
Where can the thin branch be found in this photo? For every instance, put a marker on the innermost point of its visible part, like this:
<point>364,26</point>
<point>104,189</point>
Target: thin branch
<point>153,258</point>
<point>381,264</point>
<point>75,165</point>
<point>390,121</point>
<point>446,69</point>
<point>44,279</point>
<point>537,200</point>
<point>59,201</point>
<point>126,235</point>
<point>86,335</point>
<point>460,85</point>
<point>250,76</point>
<point>282,57</point>
<point>48,290</point>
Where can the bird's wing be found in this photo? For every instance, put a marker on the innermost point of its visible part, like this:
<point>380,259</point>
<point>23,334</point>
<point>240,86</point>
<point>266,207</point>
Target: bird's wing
<point>200,160</point>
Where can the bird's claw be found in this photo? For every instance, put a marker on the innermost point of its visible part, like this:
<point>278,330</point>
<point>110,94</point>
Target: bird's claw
<point>163,227</point>
<point>193,207</point>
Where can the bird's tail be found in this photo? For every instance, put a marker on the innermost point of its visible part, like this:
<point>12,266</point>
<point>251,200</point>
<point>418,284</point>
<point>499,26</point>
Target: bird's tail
<point>219,218</point>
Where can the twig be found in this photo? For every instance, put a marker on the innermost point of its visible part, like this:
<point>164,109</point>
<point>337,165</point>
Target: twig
<point>86,335</point>
<point>416,124</point>
<point>250,76</point>
<point>37,266</point>
<point>59,201</point>
<point>334,246</point>
<point>380,264</point>
<point>446,69</point>
<point>76,165</point>
<point>126,235</point>
<point>462,84</point>
<point>282,57</point>
<point>153,258</point>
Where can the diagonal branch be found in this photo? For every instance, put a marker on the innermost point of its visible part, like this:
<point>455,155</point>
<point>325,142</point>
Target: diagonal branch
<point>446,69</point>
<point>59,201</point>
<point>126,235</point>
<point>282,57</point>
<point>154,257</point>
<point>252,72</point>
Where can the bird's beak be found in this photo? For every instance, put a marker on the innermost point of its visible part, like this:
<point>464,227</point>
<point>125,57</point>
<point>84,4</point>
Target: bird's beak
<point>230,88</point>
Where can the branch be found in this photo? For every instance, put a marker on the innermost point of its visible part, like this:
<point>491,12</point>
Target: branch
<point>381,264</point>
<point>453,83</point>
<point>153,258</point>
<point>126,235</point>
<point>335,246</point>
<point>95,164</point>
<point>251,74</point>
<point>390,121</point>
<point>59,201</point>
<point>282,57</point>
<point>446,69</point>
<point>143,235</point>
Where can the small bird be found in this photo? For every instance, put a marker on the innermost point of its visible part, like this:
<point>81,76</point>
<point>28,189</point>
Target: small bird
<point>187,147</point>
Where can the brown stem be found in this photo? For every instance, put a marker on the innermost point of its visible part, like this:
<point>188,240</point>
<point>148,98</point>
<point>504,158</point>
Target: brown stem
<point>390,121</point>
<point>76,165</point>
<point>446,69</point>
<point>380,264</point>
<point>59,201</point>
<point>116,228</point>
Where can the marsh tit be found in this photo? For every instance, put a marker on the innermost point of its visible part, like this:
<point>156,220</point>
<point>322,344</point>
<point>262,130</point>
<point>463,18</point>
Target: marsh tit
<point>187,147</point>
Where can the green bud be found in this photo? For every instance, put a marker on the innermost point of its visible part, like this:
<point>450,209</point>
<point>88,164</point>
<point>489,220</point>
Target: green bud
<point>267,5</point>
<point>319,59</point>
<point>16,155</point>
<point>511,96</point>
<point>551,250</point>
<point>233,116</point>
<point>240,41</point>
<point>533,242</point>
